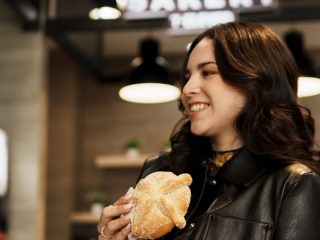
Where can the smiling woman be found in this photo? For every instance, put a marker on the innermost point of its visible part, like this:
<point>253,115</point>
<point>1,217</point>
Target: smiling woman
<point>244,139</point>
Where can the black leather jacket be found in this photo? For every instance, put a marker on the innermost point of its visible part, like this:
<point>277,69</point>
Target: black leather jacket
<point>258,200</point>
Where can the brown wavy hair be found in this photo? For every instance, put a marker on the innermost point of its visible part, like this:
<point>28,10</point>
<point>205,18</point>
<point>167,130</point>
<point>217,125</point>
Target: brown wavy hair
<point>253,59</point>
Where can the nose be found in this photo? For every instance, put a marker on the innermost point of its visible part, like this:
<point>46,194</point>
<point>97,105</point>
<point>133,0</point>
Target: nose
<point>191,88</point>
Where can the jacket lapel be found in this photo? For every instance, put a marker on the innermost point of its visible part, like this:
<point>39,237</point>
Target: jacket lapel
<point>238,173</point>
<point>244,168</point>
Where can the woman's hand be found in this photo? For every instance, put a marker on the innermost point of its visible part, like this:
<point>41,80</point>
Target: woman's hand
<point>115,221</point>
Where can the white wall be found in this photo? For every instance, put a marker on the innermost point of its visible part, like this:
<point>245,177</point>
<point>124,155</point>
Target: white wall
<point>21,111</point>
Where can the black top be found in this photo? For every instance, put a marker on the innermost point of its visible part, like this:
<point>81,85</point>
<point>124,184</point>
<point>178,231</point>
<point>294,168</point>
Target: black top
<point>261,198</point>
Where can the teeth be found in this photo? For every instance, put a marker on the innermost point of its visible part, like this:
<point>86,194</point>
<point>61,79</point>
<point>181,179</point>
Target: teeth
<point>198,107</point>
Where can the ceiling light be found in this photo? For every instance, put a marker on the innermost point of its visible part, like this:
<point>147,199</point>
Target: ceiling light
<point>149,93</point>
<point>150,80</point>
<point>106,10</point>
<point>308,86</point>
<point>122,4</point>
<point>104,13</point>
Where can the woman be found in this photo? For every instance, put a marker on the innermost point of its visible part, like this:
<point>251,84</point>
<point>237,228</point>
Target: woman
<point>245,141</point>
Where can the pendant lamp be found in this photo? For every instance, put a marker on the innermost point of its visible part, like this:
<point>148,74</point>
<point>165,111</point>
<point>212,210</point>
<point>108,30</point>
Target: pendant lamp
<point>105,10</point>
<point>308,86</point>
<point>149,81</point>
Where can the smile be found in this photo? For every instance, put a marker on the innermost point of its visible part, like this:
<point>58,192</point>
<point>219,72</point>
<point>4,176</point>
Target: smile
<point>198,107</point>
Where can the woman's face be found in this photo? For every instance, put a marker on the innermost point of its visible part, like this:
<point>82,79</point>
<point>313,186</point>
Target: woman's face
<point>211,104</point>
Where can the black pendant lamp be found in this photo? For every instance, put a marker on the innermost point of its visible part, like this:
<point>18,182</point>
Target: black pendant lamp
<point>149,81</point>
<point>105,10</point>
<point>308,83</point>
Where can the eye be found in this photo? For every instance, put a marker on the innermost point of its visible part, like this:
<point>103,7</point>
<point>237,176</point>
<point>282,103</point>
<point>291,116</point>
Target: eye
<point>207,74</point>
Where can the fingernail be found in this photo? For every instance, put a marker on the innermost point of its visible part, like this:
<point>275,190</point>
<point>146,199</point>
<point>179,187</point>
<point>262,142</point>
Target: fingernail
<point>128,226</point>
<point>130,190</point>
<point>127,206</point>
<point>128,196</point>
<point>127,217</point>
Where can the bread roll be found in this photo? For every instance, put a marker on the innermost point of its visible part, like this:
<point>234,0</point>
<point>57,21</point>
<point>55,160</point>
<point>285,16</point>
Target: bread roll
<point>161,201</point>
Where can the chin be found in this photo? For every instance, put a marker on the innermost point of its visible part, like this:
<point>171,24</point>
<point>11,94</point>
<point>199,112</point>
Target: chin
<point>197,132</point>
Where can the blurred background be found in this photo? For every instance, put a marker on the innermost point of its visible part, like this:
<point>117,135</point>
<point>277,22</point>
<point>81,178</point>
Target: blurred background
<point>66,136</point>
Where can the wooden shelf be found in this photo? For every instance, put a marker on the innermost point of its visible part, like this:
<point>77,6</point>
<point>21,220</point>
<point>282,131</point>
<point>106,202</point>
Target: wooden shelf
<point>119,161</point>
<point>84,217</point>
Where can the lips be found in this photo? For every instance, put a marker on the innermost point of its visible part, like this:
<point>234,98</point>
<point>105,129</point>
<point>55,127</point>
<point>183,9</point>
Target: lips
<point>198,107</point>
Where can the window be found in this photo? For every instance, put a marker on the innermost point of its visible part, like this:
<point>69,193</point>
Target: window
<point>3,163</point>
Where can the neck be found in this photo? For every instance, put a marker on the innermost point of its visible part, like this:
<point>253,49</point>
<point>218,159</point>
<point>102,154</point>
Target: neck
<point>226,143</point>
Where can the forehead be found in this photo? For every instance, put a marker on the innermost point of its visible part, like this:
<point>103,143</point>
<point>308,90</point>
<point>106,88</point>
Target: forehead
<point>203,52</point>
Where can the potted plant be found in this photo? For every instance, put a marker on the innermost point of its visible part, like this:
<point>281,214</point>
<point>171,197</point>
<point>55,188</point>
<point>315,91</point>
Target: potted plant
<point>166,146</point>
<point>97,202</point>
<point>132,148</point>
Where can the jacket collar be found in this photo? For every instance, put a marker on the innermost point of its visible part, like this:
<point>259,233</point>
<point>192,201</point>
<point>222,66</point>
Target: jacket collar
<point>244,168</point>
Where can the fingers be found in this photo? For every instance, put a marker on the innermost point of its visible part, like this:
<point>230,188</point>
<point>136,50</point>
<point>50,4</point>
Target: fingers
<point>101,238</point>
<point>116,225</point>
<point>123,200</point>
<point>112,212</point>
<point>123,234</point>
<point>116,211</point>
<point>115,219</point>
<point>120,207</point>
<point>105,218</point>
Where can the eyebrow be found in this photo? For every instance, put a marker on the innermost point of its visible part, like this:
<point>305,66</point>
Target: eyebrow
<point>201,65</point>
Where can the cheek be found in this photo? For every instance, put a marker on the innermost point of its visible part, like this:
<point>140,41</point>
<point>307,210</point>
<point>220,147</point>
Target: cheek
<point>184,101</point>
<point>234,106</point>
<point>237,106</point>
<point>239,102</point>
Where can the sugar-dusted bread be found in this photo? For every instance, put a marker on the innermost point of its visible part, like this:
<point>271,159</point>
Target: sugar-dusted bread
<point>161,201</point>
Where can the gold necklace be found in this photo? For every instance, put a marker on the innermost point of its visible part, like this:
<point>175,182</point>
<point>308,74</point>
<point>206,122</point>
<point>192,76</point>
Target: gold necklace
<point>222,157</point>
<point>219,159</point>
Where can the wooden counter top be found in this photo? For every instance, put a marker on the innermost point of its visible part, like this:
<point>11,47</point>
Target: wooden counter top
<point>119,161</point>
<point>84,217</point>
